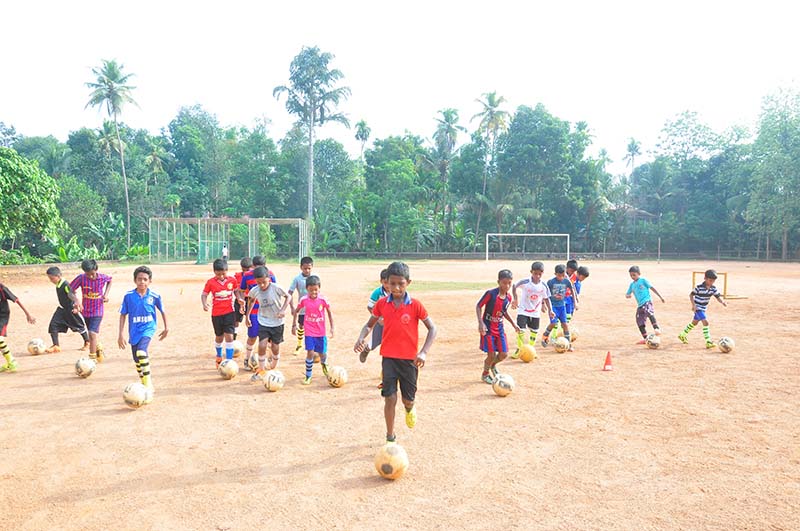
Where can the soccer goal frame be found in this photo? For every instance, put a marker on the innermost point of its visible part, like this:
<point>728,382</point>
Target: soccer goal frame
<point>701,276</point>
<point>526,234</point>
<point>203,239</point>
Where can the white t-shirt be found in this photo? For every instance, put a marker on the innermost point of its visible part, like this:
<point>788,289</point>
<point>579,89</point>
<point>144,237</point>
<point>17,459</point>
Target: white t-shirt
<point>531,297</point>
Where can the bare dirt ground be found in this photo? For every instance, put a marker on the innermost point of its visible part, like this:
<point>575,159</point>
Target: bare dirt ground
<point>678,438</point>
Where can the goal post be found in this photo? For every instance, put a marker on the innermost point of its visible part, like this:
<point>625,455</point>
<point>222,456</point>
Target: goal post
<point>700,275</point>
<point>557,248</point>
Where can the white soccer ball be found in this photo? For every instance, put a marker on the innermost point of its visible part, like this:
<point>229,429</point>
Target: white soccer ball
<point>36,346</point>
<point>726,344</point>
<point>135,395</point>
<point>653,341</point>
<point>274,380</point>
<point>337,376</point>
<point>84,367</point>
<point>238,349</point>
<point>561,344</point>
<point>503,385</point>
<point>228,369</point>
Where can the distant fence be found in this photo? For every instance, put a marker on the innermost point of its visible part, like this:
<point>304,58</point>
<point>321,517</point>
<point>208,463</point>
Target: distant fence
<point>747,256</point>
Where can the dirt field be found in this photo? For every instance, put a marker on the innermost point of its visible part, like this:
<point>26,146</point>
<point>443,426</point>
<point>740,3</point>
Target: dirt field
<point>679,438</point>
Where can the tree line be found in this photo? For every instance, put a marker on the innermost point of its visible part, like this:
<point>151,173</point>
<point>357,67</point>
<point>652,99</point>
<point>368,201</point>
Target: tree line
<point>501,170</point>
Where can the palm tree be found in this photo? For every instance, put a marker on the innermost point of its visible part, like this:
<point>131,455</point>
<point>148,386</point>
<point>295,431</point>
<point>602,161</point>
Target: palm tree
<point>155,160</point>
<point>493,121</point>
<point>633,151</point>
<point>362,135</point>
<point>445,139</point>
<point>110,90</point>
<point>312,97</point>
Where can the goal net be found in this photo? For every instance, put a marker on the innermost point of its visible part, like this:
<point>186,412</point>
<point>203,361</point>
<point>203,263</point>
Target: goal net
<point>526,246</point>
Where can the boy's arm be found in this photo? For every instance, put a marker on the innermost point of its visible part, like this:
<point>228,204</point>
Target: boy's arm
<point>574,292</point>
<point>510,320</point>
<point>31,319</point>
<point>164,332</point>
<point>330,320</point>
<point>691,300</point>
<point>721,299</point>
<point>420,361</point>
<point>248,308</point>
<point>108,287</point>
<point>282,311</point>
<point>481,324</point>
<point>204,300</point>
<point>657,293</point>
<point>120,338</point>
<point>360,344</point>
<point>514,298</point>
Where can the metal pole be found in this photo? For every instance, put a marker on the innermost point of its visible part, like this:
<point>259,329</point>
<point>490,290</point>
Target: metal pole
<point>659,249</point>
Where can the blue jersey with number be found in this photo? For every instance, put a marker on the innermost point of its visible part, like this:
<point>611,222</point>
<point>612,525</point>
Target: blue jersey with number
<point>141,312</point>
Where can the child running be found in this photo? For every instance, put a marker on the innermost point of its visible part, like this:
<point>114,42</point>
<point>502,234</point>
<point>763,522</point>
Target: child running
<point>316,343</point>
<point>94,288</point>
<point>10,364</point>
<point>534,295</point>
<point>558,287</point>
<point>66,316</point>
<point>246,284</point>
<point>221,288</point>
<point>641,288</point>
<point>140,306</point>
<point>299,284</point>
<point>272,303</point>
<point>401,360</point>
<point>700,297</point>
<point>490,324</point>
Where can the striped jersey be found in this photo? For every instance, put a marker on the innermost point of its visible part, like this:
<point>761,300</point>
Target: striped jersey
<point>701,294</point>
<point>91,292</point>
<point>247,283</point>
<point>495,307</point>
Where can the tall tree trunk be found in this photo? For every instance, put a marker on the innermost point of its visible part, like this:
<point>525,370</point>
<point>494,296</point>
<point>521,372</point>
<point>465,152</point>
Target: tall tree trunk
<point>767,251</point>
<point>124,182</point>
<point>310,211</point>
<point>785,244</point>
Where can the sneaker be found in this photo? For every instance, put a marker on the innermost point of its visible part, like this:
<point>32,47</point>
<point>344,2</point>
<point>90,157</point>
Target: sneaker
<point>53,349</point>
<point>297,350</point>
<point>683,338</point>
<point>246,364</point>
<point>391,439</point>
<point>380,385</point>
<point>85,346</point>
<point>411,417</point>
<point>545,341</point>
<point>571,348</point>
<point>657,331</point>
<point>641,342</point>
<point>362,356</point>
<point>515,355</point>
<point>258,376</point>
<point>100,353</point>
<point>219,360</point>
<point>11,366</point>
<point>325,369</point>
<point>493,370</point>
<point>486,377</point>
<point>148,396</point>
<point>93,356</point>
<point>306,380</point>
<point>710,344</point>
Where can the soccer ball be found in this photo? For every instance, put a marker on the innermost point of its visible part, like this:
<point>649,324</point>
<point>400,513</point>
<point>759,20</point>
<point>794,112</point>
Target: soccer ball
<point>253,362</point>
<point>36,346</point>
<point>561,344</point>
<point>391,461</point>
<point>337,376</point>
<point>84,367</point>
<point>725,344</point>
<point>274,380</point>
<point>527,353</point>
<point>653,341</point>
<point>135,395</point>
<point>228,369</point>
<point>238,349</point>
<point>503,385</point>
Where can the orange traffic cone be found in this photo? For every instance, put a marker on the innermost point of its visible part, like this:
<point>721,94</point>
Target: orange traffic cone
<point>607,365</point>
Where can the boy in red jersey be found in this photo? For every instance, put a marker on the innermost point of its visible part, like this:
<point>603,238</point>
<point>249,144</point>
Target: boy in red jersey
<point>490,324</point>
<point>401,360</point>
<point>94,288</point>
<point>221,287</point>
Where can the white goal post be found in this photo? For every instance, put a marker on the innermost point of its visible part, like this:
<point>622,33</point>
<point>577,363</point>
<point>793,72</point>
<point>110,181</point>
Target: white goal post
<point>524,234</point>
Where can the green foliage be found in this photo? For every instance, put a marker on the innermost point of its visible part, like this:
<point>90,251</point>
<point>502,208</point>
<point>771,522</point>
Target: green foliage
<point>267,245</point>
<point>138,252</point>
<point>18,257</point>
<point>72,250</point>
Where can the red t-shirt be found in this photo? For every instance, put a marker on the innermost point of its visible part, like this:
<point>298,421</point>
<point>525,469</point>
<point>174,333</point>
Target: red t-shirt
<point>222,293</point>
<point>400,327</point>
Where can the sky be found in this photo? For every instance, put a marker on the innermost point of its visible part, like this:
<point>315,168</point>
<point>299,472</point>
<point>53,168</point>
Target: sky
<point>624,67</point>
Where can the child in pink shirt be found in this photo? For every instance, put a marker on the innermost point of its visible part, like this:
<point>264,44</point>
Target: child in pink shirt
<point>315,306</point>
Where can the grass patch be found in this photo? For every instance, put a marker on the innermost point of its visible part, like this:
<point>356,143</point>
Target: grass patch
<point>434,285</point>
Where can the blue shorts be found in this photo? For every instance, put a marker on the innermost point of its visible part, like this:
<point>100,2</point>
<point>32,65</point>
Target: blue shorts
<point>561,314</point>
<point>317,344</point>
<point>93,323</point>
<point>252,330</point>
<point>700,315</point>
<point>569,304</point>
<point>143,344</point>
<point>494,342</point>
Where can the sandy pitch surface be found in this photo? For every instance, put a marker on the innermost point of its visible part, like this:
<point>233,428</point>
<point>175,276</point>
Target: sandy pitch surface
<point>679,438</point>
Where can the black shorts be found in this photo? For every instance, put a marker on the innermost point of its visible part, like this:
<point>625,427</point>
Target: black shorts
<point>526,321</point>
<point>64,320</point>
<point>238,316</point>
<point>224,324</point>
<point>405,372</point>
<point>3,326</point>
<point>273,333</point>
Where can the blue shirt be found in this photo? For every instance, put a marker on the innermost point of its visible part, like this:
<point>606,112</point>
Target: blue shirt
<point>641,290</point>
<point>141,312</point>
<point>558,287</point>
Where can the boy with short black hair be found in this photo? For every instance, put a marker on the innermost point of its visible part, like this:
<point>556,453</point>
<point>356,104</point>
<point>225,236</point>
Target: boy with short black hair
<point>569,300</point>
<point>221,287</point>
<point>94,288</point>
<point>401,360</point>
<point>532,297</point>
<point>316,343</point>
<point>10,364</point>
<point>271,311</point>
<point>495,303</point>
<point>641,288</point>
<point>66,316</point>
<point>299,284</point>
<point>140,306</point>
<point>558,287</point>
<point>700,297</point>
<point>246,284</point>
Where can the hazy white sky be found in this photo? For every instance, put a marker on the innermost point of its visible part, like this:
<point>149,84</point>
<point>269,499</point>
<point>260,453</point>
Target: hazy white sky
<point>622,66</point>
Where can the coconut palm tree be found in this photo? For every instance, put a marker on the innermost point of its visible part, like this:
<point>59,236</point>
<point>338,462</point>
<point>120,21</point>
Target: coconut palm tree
<point>110,90</point>
<point>362,135</point>
<point>633,151</point>
<point>156,157</point>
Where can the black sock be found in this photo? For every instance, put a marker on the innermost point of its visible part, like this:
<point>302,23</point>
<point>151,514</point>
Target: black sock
<point>54,336</point>
<point>85,337</point>
<point>643,330</point>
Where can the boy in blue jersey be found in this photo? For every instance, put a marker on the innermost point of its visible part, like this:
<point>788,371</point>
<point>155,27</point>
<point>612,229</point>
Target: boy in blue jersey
<point>641,288</point>
<point>140,306</point>
<point>377,332</point>
<point>700,297</point>
<point>491,310</point>
<point>559,287</point>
